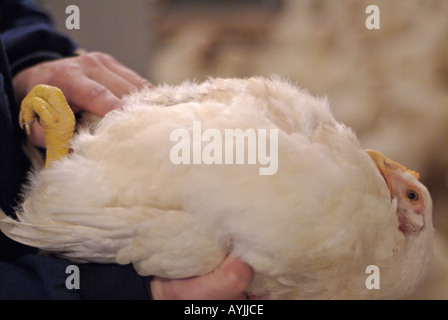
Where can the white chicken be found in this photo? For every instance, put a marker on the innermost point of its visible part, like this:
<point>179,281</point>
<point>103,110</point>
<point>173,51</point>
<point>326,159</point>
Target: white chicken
<point>153,184</point>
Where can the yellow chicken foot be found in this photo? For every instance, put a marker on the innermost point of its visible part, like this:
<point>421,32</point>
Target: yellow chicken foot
<point>55,116</point>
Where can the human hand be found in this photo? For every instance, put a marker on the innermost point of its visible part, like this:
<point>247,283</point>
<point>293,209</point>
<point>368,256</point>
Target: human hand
<point>93,82</point>
<point>228,282</point>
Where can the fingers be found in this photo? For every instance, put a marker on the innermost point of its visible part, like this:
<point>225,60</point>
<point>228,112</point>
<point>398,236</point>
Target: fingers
<point>94,82</point>
<point>107,71</point>
<point>116,67</point>
<point>226,283</point>
<point>90,95</point>
<point>235,276</point>
<point>98,84</point>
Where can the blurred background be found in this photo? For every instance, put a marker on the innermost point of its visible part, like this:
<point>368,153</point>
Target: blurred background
<point>389,84</point>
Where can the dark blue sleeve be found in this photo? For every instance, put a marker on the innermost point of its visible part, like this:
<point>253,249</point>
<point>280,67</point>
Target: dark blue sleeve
<point>111,282</point>
<point>29,36</point>
<point>37,277</point>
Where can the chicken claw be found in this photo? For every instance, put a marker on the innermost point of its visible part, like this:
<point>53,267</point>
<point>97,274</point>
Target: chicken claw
<point>55,116</point>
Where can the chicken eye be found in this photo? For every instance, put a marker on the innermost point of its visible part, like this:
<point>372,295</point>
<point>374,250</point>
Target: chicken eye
<point>412,195</point>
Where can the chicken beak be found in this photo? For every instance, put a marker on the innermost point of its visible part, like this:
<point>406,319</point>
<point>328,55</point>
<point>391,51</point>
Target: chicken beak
<point>386,166</point>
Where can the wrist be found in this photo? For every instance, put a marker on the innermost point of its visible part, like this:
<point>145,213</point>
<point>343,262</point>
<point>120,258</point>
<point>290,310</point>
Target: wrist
<point>31,60</point>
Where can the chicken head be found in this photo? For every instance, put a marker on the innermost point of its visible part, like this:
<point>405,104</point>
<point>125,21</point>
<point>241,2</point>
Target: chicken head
<point>414,204</point>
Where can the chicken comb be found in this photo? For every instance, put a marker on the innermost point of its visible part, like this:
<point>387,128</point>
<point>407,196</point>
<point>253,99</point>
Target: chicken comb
<point>415,174</point>
<point>403,168</point>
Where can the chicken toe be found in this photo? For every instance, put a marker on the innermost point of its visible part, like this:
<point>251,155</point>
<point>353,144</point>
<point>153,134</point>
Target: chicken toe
<point>49,105</point>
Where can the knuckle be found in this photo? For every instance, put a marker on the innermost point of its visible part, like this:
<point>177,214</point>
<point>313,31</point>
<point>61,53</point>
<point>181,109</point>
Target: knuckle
<point>63,73</point>
<point>106,57</point>
<point>96,57</point>
<point>90,59</point>
<point>240,279</point>
<point>95,91</point>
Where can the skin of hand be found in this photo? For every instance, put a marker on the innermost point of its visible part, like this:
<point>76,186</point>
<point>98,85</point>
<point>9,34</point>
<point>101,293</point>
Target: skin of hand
<point>93,82</point>
<point>228,282</point>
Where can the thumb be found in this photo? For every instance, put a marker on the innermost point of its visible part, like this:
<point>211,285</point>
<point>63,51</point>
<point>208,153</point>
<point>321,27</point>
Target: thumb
<point>228,282</point>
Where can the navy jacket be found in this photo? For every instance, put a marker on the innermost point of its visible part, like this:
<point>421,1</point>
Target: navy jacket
<point>27,37</point>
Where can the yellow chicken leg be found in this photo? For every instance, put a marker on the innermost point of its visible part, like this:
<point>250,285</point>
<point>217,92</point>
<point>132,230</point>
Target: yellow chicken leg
<point>55,116</point>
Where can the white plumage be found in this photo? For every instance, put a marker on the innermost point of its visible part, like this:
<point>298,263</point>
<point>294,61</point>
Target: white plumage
<point>309,231</point>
